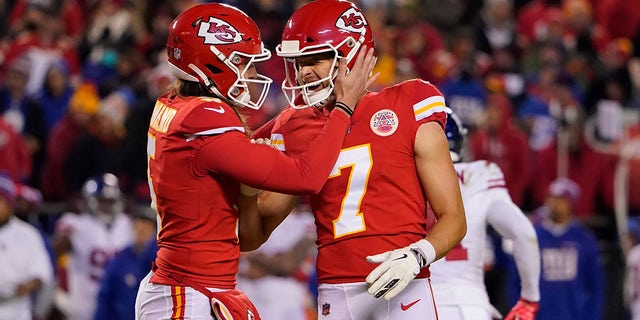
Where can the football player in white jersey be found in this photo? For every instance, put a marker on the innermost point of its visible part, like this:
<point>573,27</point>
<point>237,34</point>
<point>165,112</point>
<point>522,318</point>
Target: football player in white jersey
<point>89,240</point>
<point>458,278</point>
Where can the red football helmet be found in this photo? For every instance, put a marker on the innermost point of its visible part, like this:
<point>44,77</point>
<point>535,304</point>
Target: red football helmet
<point>321,26</point>
<point>209,43</point>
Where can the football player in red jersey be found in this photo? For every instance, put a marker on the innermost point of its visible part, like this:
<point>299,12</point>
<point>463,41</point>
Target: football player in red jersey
<point>370,214</point>
<point>199,155</point>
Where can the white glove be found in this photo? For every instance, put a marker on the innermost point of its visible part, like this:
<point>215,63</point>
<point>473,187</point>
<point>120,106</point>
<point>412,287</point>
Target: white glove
<point>398,267</point>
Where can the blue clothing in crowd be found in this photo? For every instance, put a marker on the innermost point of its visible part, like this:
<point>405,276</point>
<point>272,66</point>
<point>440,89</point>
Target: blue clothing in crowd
<point>466,97</point>
<point>117,296</point>
<point>572,276</point>
<point>54,108</point>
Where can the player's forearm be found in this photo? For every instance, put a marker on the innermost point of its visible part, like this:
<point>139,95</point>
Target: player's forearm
<point>447,233</point>
<point>250,230</point>
<point>259,215</point>
<point>526,254</point>
<point>446,201</point>
<point>313,166</point>
<point>450,228</point>
<point>527,258</point>
<point>511,223</point>
<point>270,169</point>
<point>274,208</point>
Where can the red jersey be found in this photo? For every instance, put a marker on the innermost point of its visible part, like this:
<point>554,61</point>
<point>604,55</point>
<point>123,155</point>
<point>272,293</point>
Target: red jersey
<point>373,200</point>
<point>198,154</point>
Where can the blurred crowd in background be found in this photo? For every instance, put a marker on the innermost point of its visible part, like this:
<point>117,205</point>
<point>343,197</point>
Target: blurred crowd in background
<point>547,89</point>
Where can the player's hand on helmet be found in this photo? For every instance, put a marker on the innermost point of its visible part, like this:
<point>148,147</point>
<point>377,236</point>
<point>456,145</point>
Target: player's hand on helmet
<point>523,310</point>
<point>351,85</point>
<point>398,267</point>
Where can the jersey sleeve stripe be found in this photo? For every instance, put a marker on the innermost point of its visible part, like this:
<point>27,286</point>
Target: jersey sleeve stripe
<point>428,107</point>
<point>429,111</point>
<point>214,132</point>
<point>497,184</point>
<point>277,140</point>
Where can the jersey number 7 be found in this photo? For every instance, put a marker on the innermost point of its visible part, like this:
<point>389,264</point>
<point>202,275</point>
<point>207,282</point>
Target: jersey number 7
<point>351,219</point>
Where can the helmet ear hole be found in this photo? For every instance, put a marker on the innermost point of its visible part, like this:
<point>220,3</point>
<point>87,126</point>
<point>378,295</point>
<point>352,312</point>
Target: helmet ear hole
<point>351,43</point>
<point>213,69</point>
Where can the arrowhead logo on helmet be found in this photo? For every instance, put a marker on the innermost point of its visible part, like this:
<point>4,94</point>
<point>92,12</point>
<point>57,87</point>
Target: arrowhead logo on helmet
<point>218,31</point>
<point>353,21</point>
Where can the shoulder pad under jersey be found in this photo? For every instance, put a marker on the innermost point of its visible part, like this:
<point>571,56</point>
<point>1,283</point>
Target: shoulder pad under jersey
<point>210,116</point>
<point>427,101</point>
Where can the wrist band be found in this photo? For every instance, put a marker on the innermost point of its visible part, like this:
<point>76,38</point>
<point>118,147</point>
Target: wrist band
<point>422,262</point>
<point>426,250</point>
<point>344,108</point>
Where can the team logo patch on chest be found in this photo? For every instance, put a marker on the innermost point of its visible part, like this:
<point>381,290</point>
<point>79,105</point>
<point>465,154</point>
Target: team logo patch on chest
<point>384,122</point>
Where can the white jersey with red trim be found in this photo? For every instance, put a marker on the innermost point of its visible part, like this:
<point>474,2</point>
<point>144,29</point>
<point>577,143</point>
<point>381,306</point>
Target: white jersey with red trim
<point>458,278</point>
<point>93,245</point>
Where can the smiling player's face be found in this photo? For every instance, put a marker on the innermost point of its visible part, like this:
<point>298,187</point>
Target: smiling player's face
<point>313,68</point>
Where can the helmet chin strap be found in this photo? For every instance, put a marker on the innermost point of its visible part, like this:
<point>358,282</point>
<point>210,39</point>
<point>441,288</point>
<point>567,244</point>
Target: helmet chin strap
<point>244,97</point>
<point>319,98</point>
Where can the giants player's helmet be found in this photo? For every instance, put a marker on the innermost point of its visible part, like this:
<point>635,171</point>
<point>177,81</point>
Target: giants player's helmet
<point>103,197</point>
<point>209,43</point>
<point>456,134</point>
<point>322,26</point>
